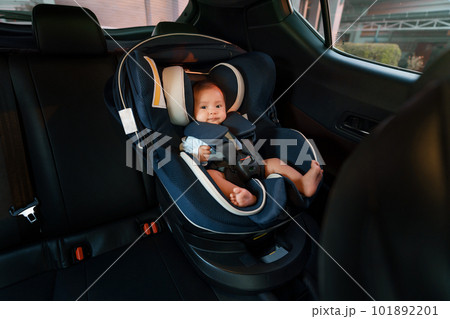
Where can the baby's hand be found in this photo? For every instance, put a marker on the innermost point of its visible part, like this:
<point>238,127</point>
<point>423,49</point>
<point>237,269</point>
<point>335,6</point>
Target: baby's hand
<point>204,152</point>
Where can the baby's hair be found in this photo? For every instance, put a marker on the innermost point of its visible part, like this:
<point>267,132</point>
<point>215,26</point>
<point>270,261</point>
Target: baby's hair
<point>206,84</point>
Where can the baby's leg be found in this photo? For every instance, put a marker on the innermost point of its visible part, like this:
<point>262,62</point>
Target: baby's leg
<point>306,184</point>
<point>238,196</point>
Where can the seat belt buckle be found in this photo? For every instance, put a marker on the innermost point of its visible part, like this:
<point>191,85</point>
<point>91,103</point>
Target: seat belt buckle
<point>28,211</point>
<point>81,252</point>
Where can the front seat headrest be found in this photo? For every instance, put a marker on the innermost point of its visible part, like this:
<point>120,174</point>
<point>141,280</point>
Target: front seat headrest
<point>167,27</point>
<point>67,30</point>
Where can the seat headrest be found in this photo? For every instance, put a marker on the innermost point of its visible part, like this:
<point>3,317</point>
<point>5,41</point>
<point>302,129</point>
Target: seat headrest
<point>179,96</point>
<point>67,30</point>
<point>165,27</point>
<point>247,81</point>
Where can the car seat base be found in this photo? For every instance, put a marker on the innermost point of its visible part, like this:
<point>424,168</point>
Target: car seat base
<point>258,263</point>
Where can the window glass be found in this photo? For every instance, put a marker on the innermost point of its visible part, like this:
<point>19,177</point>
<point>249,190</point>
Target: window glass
<point>111,14</point>
<point>311,11</point>
<point>409,34</point>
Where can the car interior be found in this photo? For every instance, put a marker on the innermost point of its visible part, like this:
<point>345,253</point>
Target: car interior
<point>92,210</point>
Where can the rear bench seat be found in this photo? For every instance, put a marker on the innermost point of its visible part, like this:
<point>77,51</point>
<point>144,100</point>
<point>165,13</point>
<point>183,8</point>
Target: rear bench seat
<point>88,197</point>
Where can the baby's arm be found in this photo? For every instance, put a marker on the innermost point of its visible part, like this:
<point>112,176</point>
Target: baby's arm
<point>194,146</point>
<point>204,152</point>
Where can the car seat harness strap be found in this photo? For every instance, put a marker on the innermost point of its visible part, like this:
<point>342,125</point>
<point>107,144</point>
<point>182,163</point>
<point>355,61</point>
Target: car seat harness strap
<point>16,162</point>
<point>229,156</point>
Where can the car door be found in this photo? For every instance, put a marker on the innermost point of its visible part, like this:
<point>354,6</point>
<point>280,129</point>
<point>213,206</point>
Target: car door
<point>335,97</point>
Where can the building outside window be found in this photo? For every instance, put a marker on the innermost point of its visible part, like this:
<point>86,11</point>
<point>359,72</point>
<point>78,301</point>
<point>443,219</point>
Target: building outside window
<point>407,34</point>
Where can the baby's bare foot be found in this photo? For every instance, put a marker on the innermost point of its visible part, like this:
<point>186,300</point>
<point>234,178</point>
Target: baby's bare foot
<point>241,197</point>
<point>312,179</point>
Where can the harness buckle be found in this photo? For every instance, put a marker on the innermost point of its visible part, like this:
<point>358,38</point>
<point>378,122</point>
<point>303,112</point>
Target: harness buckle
<point>28,211</point>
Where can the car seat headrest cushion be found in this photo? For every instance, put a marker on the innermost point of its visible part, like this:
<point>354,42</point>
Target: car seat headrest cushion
<point>67,30</point>
<point>230,82</point>
<point>247,81</point>
<point>179,94</point>
<point>258,71</point>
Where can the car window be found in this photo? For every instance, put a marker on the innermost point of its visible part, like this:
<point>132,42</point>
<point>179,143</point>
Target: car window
<point>408,34</point>
<point>311,11</point>
<point>111,14</point>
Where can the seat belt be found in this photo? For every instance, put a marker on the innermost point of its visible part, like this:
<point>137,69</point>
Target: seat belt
<point>11,139</point>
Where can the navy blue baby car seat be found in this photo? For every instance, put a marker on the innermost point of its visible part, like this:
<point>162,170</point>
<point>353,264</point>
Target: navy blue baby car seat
<point>248,249</point>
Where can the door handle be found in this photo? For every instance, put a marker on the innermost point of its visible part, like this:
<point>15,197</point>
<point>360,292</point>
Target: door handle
<point>358,125</point>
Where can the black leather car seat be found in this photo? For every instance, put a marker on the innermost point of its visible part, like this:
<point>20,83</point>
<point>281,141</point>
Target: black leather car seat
<point>88,197</point>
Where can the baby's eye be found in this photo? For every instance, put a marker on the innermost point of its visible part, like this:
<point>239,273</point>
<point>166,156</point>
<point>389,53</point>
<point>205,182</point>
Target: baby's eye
<point>218,106</point>
<point>203,107</point>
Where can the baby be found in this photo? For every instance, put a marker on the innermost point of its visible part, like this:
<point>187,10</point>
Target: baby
<point>209,106</point>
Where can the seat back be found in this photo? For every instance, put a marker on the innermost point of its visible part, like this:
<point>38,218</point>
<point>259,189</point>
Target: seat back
<point>74,144</point>
<point>76,152</point>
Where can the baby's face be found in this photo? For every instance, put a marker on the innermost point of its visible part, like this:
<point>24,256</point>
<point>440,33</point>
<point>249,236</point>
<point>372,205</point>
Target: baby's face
<point>209,106</point>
